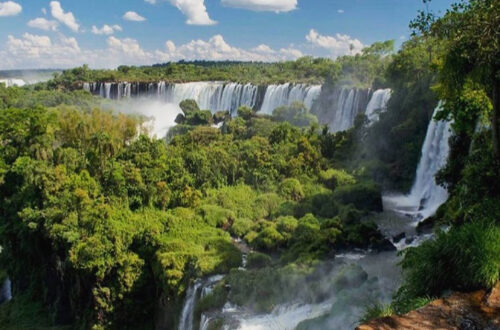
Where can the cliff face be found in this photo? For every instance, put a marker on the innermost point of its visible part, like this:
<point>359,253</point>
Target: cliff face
<point>462,311</point>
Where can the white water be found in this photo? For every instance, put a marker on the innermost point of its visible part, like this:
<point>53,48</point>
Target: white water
<point>426,195</point>
<point>377,104</point>
<point>12,82</point>
<point>161,115</point>
<point>214,96</point>
<point>286,94</point>
<point>199,289</point>
<point>5,291</point>
<point>186,322</point>
<point>348,103</point>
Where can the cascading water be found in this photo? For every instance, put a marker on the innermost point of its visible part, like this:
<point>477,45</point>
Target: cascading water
<point>186,322</point>
<point>338,107</point>
<point>12,82</point>
<point>5,291</point>
<point>286,94</point>
<point>214,96</point>
<point>426,195</point>
<point>377,104</point>
<point>199,289</point>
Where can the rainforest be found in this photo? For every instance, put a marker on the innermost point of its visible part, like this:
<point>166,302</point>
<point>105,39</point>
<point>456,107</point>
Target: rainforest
<point>314,193</point>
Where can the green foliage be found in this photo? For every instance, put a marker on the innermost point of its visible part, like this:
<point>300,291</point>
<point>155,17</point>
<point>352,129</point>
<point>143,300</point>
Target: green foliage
<point>189,106</point>
<point>258,260</point>
<point>333,178</point>
<point>23,313</point>
<point>364,196</point>
<point>216,216</point>
<point>376,310</point>
<point>445,264</point>
<point>291,189</point>
<point>296,114</point>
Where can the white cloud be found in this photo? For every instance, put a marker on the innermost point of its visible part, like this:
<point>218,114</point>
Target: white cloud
<point>10,8</point>
<point>43,24</point>
<point>264,49</point>
<point>337,45</point>
<point>40,51</point>
<point>262,5</point>
<point>44,11</point>
<point>340,11</point>
<point>35,51</point>
<point>194,10</point>
<point>106,29</point>
<point>217,49</point>
<point>133,16</point>
<point>65,18</point>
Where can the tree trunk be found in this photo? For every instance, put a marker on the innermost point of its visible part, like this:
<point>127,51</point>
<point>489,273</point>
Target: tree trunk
<point>495,118</point>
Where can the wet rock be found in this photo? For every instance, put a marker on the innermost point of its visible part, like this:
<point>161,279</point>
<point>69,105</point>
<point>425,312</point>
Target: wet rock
<point>399,237</point>
<point>384,245</point>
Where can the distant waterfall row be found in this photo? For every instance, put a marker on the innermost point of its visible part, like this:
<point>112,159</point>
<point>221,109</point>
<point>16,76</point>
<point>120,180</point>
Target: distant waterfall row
<point>336,107</point>
<point>214,96</point>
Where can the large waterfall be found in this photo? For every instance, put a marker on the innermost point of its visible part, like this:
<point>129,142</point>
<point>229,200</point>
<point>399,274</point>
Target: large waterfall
<point>214,96</point>
<point>426,195</point>
<point>336,107</point>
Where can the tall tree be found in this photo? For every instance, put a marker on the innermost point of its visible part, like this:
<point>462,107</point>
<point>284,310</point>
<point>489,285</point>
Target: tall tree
<point>471,32</point>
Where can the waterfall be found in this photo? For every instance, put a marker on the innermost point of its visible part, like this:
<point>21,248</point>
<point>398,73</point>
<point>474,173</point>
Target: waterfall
<point>13,82</point>
<point>341,106</point>
<point>200,289</point>
<point>286,94</point>
<point>186,322</point>
<point>5,291</point>
<point>377,104</point>
<point>212,95</point>
<point>426,195</point>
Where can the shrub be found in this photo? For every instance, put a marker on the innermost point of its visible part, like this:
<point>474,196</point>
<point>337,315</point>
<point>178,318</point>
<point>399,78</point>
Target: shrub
<point>258,260</point>
<point>333,178</point>
<point>268,239</point>
<point>215,215</point>
<point>364,196</point>
<point>242,226</point>
<point>375,311</point>
<point>266,205</point>
<point>465,258</point>
<point>291,189</point>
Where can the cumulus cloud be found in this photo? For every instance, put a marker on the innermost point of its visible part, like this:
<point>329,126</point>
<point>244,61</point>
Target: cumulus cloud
<point>106,29</point>
<point>41,50</point>
<point>262,5</point>
<point>195,11</point>
<point>217,49</point>
<point>66,18</point>
<point>10,8</point>
<point>133,16</point>
<point>264,49</point>
<point>34,51</point>
<point>43,24</point>
<point>337,45</point>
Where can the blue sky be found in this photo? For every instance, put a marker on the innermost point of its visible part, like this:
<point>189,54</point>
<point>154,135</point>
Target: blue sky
<point>107,33</point>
